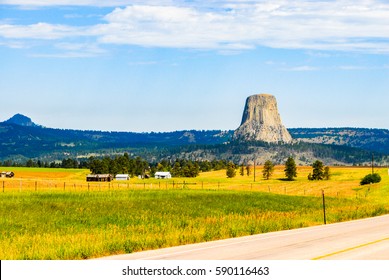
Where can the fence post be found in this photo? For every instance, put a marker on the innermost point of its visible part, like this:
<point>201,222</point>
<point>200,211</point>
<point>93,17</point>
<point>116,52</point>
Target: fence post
<point>88,187</point>
<point>3,186</point>
<point>254,170</point>
<point>36,185</point>
<point>324,207</point>
<point>64,186</point>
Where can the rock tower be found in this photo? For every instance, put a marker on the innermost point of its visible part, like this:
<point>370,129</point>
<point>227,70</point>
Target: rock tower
<point>261,121</point>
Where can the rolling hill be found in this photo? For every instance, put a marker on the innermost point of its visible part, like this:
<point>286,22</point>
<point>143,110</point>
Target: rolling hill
<point>22,139</point>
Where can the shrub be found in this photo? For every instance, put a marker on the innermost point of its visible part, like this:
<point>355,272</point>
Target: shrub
<point>371,179</point>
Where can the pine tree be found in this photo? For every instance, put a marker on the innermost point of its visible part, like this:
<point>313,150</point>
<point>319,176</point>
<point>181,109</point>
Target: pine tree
<point>327,173</point>
<point>268,169</point>
<point>248,172</point>
<point>290,169</point>
<point>231,171</point>
<point>318,172</point>
<point>176,170</point>
<point>241,172</point>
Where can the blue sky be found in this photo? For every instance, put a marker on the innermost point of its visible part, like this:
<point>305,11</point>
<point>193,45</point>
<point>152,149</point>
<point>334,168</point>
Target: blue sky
<point>168,65</point>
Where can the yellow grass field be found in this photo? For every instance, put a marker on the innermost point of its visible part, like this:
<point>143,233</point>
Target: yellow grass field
<point>344,182</point>
<point>56,214</point>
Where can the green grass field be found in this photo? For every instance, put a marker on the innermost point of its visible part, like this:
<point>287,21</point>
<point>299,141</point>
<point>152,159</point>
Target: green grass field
<point>77,224</point>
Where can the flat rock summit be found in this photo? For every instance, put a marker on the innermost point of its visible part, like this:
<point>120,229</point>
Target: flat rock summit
<point>261,121</point>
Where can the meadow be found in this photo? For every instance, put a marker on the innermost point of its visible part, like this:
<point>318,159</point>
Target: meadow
<point>55,214</point>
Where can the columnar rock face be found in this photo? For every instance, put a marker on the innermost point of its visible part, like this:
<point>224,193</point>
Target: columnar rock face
<point>261,121</point>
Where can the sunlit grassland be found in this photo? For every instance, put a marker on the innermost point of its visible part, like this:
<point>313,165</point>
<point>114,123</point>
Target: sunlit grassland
<point>75,223</point>
<point>36,173</point>
<point>344,182</point>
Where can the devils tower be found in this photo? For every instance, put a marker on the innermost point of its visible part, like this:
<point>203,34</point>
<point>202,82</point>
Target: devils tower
<point>261,121</point>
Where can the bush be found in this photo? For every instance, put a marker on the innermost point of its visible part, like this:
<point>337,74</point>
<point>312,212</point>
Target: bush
<point>371,179</point>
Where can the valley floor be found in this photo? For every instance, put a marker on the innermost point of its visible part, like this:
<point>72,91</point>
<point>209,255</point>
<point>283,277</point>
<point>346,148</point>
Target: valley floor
<point>56,214</point>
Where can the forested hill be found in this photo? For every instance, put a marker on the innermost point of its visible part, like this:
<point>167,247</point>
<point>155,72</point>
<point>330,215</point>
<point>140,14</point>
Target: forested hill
<point>34,141</point>
<point>364,138</point>
<point>21,139</point>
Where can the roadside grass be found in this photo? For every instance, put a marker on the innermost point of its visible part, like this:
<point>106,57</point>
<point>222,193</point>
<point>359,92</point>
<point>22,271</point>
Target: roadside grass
<point>51,223</point>
<point>84,225</point>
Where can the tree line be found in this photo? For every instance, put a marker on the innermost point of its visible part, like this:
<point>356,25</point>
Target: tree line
<point>319,171</point>
<point>140,167</point>
<point>124,164</point>
<point>137,166</point>
<point>65,163</point>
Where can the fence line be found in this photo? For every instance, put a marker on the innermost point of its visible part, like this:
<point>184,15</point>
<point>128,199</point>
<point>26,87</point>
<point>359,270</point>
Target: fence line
<point>23,185</point>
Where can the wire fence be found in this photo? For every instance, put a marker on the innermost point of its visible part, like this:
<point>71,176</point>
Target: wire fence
<point>301,189</point>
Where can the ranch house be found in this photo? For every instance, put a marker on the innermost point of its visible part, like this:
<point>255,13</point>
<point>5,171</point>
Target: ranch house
<point>162,175</point>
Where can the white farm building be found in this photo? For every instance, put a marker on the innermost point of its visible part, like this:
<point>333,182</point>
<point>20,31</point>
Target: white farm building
<point>162,175</point>
<point>122,177</point>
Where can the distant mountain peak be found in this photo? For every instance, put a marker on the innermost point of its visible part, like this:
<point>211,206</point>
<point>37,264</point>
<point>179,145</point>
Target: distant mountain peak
<point>21,120</point>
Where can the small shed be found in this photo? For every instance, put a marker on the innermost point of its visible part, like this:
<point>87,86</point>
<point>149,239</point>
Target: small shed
<point>162,175</point>
<point>99,178</point>
<point>122,177</point>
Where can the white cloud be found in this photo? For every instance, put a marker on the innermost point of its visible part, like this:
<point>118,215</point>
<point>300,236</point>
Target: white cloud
<point>319,25</point>
<point>301,68</point>
<point>44,31</point>
<point>362,67</point>
<point>14,44</point>
<point>176,27</point>
<point>346,25</point>
<point>81,49</point>
<point>353,67</point>
<point>94,3</point>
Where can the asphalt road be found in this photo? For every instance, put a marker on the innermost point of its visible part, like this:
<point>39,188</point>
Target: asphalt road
<point>366,239</point>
